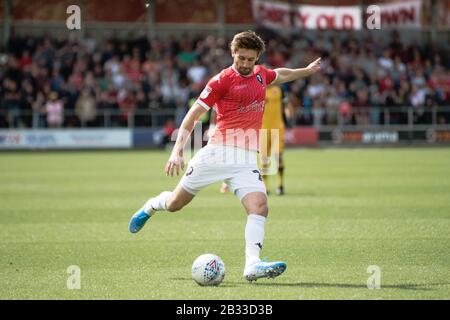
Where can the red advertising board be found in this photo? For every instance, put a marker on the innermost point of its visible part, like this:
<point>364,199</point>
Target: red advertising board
<point>40,10</point>
<point>301,136</point>
<point>116,10</point>
<point>238,12</point>
<point>186,11</point>
<point>98,10</point>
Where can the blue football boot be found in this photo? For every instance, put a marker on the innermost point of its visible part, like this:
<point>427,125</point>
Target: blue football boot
<point>138,220</point>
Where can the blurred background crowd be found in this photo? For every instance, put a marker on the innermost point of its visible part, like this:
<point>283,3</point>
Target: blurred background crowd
<point>64,82</point>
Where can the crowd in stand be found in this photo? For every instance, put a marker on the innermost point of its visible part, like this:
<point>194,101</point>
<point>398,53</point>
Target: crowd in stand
<point>63,82</point>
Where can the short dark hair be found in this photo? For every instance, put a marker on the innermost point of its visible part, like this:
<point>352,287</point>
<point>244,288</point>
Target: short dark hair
<point>247,40</point>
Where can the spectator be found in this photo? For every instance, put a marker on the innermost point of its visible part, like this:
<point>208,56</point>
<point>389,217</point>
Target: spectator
<point>361,107</point>
<point>197,72</point>
<point>163,136</point>
<point>375,102</point>
<point>386,61</point>
<point>187,54</point>
<point>86,109</point>
<point>169,128</point>
<point>306,113</point>
<point>345,112</point>
<point>318,113</point>
<point>332,102</point>
<point>25,60</point>
<point>27,97</point>
<point>39,111</point>
<point>54,109</point>
<point>417,96</point>
<point>12,102</point>
<point>127,104</point>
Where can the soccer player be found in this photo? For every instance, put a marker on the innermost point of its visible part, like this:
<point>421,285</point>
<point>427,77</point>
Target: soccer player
<point>238,94</point>
<point>271,145</point>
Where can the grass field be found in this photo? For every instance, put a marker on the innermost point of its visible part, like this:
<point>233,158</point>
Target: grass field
<point>344,211</point>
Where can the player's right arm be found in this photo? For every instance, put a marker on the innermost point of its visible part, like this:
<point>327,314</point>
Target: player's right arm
<point>213,92</point>
<point>176,160</point>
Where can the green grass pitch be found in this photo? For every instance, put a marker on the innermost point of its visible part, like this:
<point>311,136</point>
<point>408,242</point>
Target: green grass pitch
<point>344,210</point>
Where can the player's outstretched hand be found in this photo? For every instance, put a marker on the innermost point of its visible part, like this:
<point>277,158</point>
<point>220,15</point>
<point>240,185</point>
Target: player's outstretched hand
<point>175,163</point>
<point>313,67</point>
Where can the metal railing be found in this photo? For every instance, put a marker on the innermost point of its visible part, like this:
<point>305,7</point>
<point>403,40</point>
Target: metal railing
<point>370,117</point>
<point>105,118</point>
<point>405,117</point>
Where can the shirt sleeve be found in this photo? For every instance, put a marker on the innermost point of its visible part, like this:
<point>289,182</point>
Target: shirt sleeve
<point>213,92</point>
<point>271,76</point>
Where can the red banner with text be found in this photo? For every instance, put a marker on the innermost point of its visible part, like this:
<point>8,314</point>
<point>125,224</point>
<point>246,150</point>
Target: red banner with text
<point>290,17</point>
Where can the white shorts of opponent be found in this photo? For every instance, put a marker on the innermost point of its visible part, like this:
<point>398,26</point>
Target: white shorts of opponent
<point>237,167</point>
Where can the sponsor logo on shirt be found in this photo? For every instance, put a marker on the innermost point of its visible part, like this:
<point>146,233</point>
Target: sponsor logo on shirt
<point>255,106</point>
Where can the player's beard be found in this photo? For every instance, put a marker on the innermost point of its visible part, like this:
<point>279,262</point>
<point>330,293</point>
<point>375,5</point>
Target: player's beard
<point>245,71</point>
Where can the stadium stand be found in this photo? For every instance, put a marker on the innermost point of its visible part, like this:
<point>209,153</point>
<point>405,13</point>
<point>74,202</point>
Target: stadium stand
<point>105,85</point>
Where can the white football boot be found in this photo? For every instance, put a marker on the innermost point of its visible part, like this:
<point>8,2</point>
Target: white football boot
<point>262,269</point>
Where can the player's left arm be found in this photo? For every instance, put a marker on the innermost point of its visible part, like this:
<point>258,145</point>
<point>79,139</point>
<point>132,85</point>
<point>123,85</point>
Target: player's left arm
<point>288,75</point>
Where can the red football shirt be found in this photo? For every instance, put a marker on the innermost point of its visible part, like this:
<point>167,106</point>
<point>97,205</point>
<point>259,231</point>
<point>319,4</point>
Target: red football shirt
<point>239,104</point>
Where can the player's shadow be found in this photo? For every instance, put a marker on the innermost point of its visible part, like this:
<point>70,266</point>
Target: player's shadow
<point>225,284</point>
<point>406,286</point>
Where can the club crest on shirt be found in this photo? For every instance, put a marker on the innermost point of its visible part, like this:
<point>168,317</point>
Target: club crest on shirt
<point>259,78</point>
<point>205,93</point>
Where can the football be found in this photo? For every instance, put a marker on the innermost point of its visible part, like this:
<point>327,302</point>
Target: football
<point>208,270</point>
